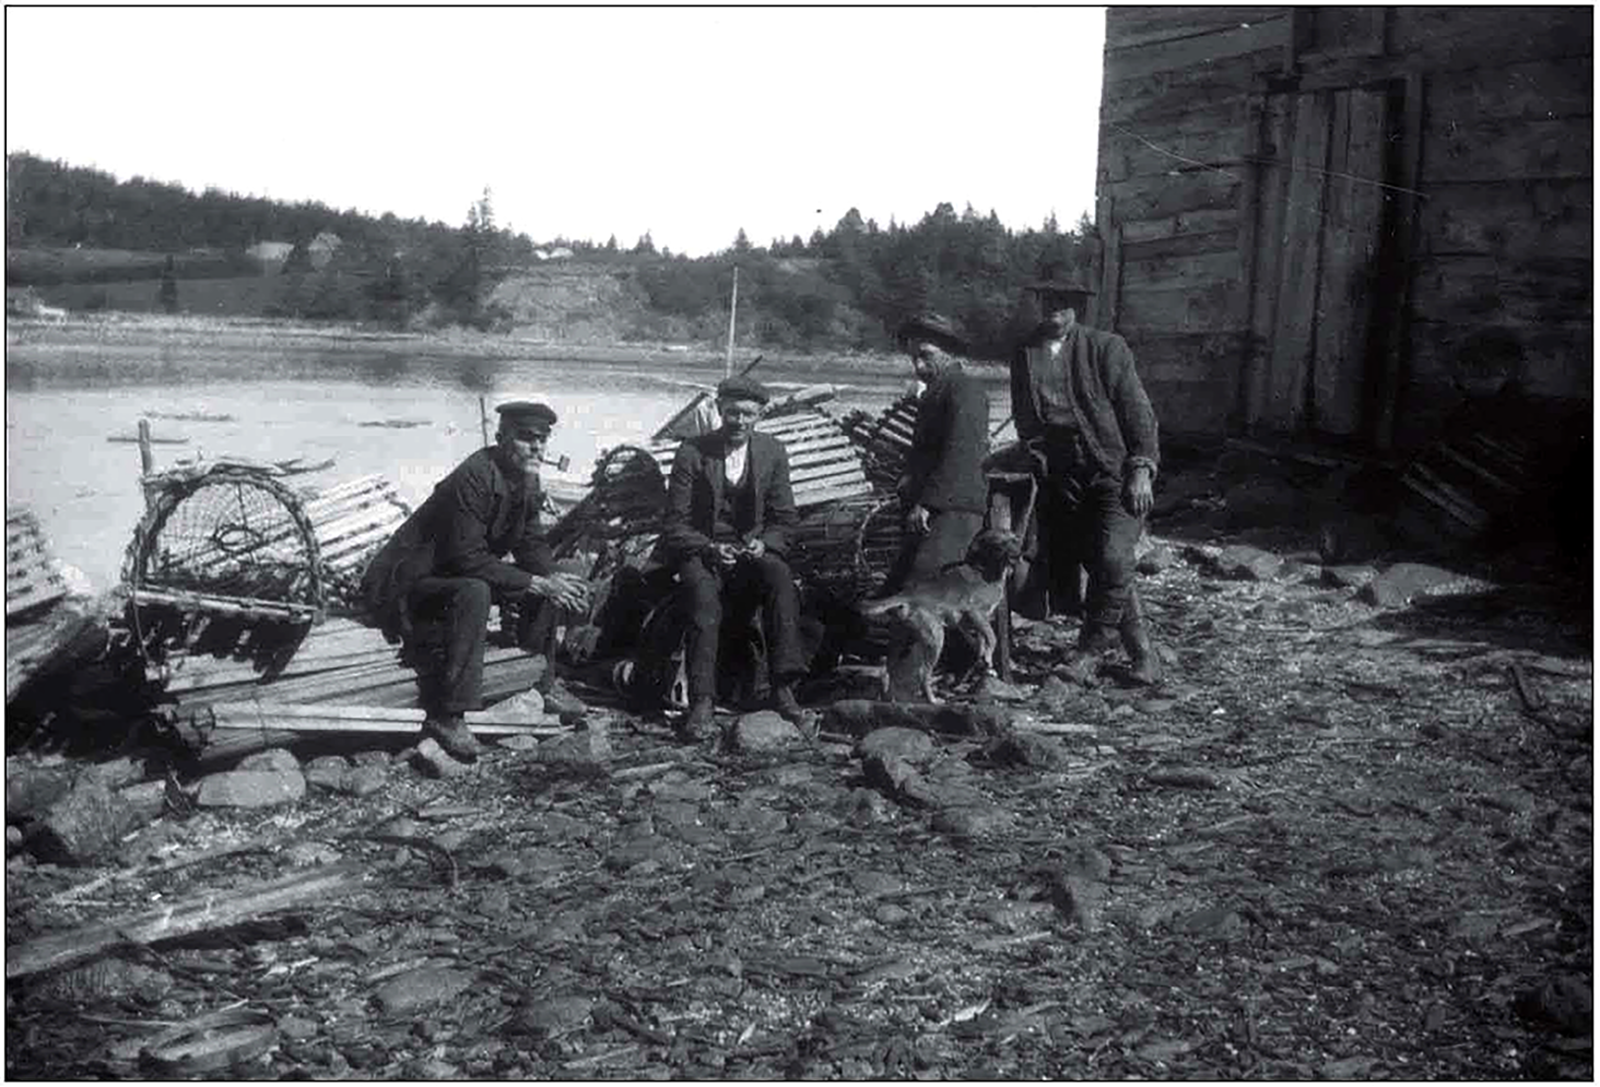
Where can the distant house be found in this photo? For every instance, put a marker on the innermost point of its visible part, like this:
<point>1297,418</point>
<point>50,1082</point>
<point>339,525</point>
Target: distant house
<point>558,252</point>
<point>1309,215</point>
<point>322,248</point>
<point>271,255</point>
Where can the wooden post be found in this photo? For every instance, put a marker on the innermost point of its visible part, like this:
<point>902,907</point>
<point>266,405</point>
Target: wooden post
<point>147,460</point>
<point>483,419</point>
<point>1000,520</point>
<point>733,313</point>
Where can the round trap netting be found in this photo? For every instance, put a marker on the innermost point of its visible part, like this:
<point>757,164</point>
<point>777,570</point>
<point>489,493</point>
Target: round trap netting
<point>225,538</point>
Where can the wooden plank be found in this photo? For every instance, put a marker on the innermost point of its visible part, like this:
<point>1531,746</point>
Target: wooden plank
<point>1350,245</point>
<point>1295,318</point>
<point>1128,154</point>
<point>1513,221</point>
<point>1205,221</point>
<point>1127,27</point>
<point>222,605</point>
<point>1195,51</point>
<point>1542,90</point>
<point>1463,289</point>
<point>1183,271</point>
<point>1395,347</point>
<point>1152,198</point>
<point>827,471</point>
<point>1465,37</point>
<point>366,719</point>
<point>1508,150</point>
<point>1212,246</point>
<point>1191,309</point>
<point>1167,97</point>
<point>208,911</point>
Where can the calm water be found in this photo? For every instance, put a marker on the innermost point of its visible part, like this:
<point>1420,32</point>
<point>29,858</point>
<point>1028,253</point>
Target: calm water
<point>64,400</point>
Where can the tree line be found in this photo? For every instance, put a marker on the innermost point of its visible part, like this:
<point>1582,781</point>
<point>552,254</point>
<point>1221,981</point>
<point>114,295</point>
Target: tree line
<point>844,288</point>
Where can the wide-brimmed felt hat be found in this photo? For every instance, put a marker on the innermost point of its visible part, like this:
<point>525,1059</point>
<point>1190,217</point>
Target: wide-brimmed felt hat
<point>742,387</point>
<point>930,328</point>
<point>1047,287</point>
<point>527,416</point>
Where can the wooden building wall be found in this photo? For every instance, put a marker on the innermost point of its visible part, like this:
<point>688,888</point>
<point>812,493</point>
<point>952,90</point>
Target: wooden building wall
<point>1308,214</point>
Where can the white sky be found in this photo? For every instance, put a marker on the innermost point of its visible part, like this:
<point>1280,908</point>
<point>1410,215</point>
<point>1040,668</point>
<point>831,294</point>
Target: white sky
<point>583,122</point>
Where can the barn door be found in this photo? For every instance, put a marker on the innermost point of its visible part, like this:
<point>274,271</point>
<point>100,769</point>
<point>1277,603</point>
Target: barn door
<point>1318,315</point>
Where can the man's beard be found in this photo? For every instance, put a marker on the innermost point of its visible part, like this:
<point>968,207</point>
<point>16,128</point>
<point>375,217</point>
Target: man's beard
<point>735,437</point>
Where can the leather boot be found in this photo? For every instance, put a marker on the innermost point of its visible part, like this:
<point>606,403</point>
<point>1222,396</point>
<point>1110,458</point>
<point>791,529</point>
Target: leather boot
<point>699,722</point>
<point>1083,660</point>
<point>1144,663</point>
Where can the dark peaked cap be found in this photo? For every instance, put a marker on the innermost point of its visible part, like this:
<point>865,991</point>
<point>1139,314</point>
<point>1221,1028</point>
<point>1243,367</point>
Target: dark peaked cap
<point>527,415</point>
<point>740,387</point>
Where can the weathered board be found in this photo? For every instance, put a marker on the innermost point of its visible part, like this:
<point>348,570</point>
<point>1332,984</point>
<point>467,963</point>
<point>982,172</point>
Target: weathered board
<point>33,578</point>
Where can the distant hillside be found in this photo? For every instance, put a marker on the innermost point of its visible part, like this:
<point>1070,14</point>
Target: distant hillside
<point>80,239</point>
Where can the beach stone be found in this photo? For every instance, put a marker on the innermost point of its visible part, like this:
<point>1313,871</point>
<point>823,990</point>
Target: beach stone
<point>328,772</point>
<point>518,741</point>
<point>148,799</point>
<point>586,750</point>
<point>763,732</point>
<point>556,1015</point>
<point>974,820</point>
<point>907,744</point>
<point>1347,577</point>
<point>311,854</point>
<point>1083,900</point>
<point>365,780</point>
<point>993,687</point>
<point>755,821</point>
<point>675,787</point>
<point>372,757</point>
<point>1402,582</point>
<point>1021,748</point>
<point>870,883</point>
<point>645,849</point>
<point>31,788</point>
<point>1160,557</point>
<point>1248,563</point>
<point>421,988</point>
<point>432,760</point>
<point>296,1028</point>
<point>83,824</point>
<point>1055,694</point>
<point>526,708</point>
<point>274,759</point>
<point>251,788</point>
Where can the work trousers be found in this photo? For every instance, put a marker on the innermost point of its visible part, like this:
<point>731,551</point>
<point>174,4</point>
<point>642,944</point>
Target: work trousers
<point>708,594</point>
<point>1084,521</point>
<point>450,620</point>
<point>950,533</point>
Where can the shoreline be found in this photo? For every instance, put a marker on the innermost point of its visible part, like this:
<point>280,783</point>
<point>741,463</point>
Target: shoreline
<point>36,339</point>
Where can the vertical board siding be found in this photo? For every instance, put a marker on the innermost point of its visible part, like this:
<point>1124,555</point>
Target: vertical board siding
<point>1295,321</point>
<point>1355,199</point>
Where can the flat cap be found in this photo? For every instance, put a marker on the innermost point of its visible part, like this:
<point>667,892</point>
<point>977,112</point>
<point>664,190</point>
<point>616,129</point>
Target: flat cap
<point>527,414</point>
<point>930,328</point>
<point>740,387</point>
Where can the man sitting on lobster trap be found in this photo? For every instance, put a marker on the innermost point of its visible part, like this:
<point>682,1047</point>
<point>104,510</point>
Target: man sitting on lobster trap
<point>432,584</point>
<point>725,535</point>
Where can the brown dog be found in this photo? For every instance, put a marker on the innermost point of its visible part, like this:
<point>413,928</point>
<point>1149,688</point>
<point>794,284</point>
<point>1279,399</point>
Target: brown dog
<point>964,596</point>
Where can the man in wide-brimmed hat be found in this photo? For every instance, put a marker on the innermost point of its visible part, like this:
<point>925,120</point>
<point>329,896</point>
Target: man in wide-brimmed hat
<point>942,490</point>
<point>432,584</point>
<point>1082,412</point>
<point>725,534</point>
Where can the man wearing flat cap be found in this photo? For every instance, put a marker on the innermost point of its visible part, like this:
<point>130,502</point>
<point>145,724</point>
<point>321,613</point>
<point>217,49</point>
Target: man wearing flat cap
<point>943,490</point>
<point>432,584</point>
<point>726,535</point>
<point>1082,412</point>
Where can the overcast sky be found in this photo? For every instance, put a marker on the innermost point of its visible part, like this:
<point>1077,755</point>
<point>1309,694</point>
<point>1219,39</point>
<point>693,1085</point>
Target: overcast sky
<point>583,122</point>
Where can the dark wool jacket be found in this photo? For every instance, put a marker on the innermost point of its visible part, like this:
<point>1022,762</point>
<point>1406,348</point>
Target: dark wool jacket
<point>944,469</point>
<point>765,509</point>
<point>1093,387</point>
<point>474,517</point>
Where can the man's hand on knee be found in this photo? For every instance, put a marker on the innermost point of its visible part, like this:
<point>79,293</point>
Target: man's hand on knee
<point>568,590</point>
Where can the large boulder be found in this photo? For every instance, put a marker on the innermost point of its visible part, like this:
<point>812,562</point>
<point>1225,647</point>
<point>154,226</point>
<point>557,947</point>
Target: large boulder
<point>1404,581</point>
<point>763,732</point>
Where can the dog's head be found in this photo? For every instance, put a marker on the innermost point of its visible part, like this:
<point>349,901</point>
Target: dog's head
<point>992,551</point>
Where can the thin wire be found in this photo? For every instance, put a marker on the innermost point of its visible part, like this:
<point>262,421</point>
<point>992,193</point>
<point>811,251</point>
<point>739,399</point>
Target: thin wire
<point>1265,161</point>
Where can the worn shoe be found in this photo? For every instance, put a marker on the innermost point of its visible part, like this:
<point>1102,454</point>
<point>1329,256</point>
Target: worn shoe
<point>1145,666</point>
<point>699,722</point>
<point>788,707</point>
<point>452,734</point>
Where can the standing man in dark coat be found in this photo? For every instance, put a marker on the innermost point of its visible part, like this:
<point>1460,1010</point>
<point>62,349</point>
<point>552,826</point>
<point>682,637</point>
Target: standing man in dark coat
<point>726,534</point>
<point>1082,412</point>
<point>943,490</point>
<point>432,584</point>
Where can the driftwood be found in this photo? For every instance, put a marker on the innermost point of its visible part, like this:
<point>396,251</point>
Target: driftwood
<point>201,913</point>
